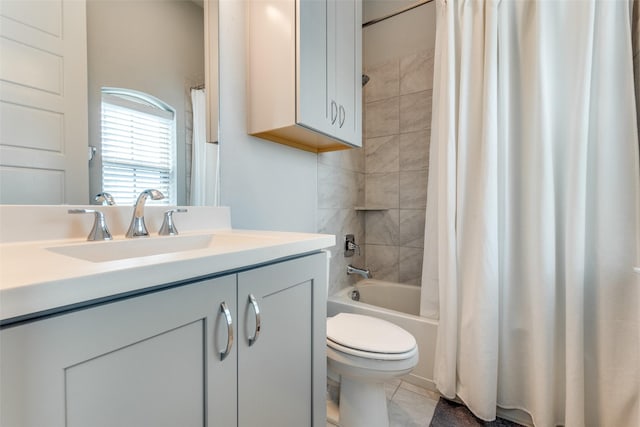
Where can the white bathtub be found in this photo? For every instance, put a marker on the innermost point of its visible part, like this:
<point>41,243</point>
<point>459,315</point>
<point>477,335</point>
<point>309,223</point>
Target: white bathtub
<point>399,304</point>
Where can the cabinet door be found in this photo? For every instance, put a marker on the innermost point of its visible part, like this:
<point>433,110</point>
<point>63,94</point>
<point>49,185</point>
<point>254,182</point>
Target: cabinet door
<point>282,373</point>
<point>314,102</point>
<point>151,360</point>
<point>330,68</point>
<point>347,60</point>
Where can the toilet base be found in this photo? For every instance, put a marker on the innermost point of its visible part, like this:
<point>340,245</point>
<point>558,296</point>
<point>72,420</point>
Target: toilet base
<point>362,403</point>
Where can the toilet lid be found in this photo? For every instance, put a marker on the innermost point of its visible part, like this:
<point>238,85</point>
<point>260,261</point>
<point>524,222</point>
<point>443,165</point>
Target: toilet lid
<point>368,334</point>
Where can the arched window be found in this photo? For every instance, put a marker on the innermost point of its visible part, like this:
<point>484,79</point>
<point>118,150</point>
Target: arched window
<point>138,145</point>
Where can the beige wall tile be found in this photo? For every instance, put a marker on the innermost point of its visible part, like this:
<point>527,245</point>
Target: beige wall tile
<point>414,150</point>
<point>382,154</point>
<point>381,189</point>
<point>382,118</point>
<point>384,81</point>
<point>382,260</point>
<point>410,265</point>
<point>413,189</point>
<point>412,228</point>
<point>416,72</point>
<point>382,227</point>
<point>351,159</point>
<point>339,188</point>
<point>415,111</point>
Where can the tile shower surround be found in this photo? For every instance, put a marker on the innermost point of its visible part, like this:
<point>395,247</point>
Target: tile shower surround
<point>390,171</point>
<point>397,130</point>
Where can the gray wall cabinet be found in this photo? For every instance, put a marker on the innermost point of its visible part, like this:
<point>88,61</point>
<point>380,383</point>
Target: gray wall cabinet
<point>304,77</point>
<point>155,359</point>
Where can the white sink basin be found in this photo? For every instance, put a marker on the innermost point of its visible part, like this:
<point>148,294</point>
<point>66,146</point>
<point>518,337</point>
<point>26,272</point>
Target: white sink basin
<point>115,250</point>
<point>133,248</point>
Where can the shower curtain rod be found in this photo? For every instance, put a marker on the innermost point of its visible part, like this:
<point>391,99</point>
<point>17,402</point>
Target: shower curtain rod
<point>398,12</point>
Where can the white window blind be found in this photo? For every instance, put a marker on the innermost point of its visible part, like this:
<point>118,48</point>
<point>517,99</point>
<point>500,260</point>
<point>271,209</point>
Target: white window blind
<point>137,148</point>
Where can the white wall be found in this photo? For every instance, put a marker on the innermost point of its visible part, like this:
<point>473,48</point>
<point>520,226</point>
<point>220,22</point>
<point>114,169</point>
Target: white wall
<point>266,185</point>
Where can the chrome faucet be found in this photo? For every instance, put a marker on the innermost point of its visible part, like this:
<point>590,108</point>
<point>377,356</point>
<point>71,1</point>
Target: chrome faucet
<point>137,228</point>
<point>106,199</point>
<point>361,271</point>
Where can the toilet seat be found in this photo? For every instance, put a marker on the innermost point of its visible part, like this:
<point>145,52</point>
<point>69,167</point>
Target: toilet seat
<point>369,337</point>
<point>371,355</point>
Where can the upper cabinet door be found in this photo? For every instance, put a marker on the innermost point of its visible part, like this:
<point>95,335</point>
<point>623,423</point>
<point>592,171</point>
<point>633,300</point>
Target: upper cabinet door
<point>313,67</point>
<point>306,91</point>
<point>346,60</point>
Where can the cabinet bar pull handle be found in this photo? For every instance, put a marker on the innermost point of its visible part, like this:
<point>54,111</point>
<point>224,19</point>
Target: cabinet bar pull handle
<point>227,315</point>
<point>334,111</point>
<point>342,115</point>
<point>256,309</point>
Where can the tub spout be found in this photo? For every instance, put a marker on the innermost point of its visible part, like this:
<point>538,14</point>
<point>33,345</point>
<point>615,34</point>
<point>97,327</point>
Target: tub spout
<point>361,271</point>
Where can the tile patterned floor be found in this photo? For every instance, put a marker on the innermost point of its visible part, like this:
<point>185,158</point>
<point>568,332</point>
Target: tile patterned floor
<point>409,405</point>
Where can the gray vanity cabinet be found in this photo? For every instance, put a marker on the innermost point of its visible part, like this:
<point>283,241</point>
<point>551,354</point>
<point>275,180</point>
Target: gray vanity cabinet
<point>155,359</point>
<point>139,361</point>
<point>274,384</point>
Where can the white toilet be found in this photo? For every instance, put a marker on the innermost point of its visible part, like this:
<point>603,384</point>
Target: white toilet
<point>362,353</point>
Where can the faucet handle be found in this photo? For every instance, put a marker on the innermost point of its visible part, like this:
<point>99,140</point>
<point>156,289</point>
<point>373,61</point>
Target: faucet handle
<point>105,198</point>
<point>168,228</point>
<point>99,231</point>
<point>350,246</point>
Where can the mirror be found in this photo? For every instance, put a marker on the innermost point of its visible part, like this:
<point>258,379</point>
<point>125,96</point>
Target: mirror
<point>156,47</point>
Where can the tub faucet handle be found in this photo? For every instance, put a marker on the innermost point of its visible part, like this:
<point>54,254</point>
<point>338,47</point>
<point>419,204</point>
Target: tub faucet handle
<point>350,246</point>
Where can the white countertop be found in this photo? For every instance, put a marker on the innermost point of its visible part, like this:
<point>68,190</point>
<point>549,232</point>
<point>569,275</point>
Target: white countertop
<point>33,278</point>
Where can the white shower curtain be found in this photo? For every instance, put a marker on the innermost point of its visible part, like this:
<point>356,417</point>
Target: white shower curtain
<point>533,211</point>
<point>204,156</point>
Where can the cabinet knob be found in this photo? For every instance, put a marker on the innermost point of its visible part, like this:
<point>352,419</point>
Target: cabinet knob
<point>342,115</point>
